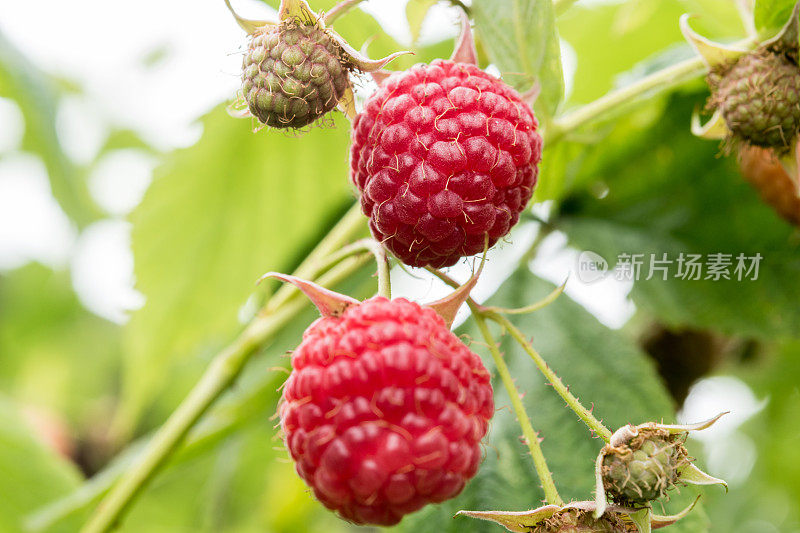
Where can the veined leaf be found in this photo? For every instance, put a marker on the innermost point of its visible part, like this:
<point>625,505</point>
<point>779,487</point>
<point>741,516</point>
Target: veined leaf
<point>520,37</point>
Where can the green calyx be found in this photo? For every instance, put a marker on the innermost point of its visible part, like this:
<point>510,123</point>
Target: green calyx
<point>645,468</point>
<point>578,521</point>
<point>759,97</point>
<point>293,73</point>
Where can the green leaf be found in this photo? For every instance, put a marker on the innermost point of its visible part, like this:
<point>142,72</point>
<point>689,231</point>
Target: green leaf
<point>771,15</point>
<point>31,472</point>
<point>416,10</point>
<point>689,200</point>
<point>217,216</point>
<point>600,366</point>
<point>520,37</point>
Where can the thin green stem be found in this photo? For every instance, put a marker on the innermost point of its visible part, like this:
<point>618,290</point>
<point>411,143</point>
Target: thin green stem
<point>663,79</point>
<point>660,80</point>
<point>378,252</point>
<point>480,312</point>
<point>225,368</point>
<point>541,304</point>
<point>531,438</point>
<point>584,414</point>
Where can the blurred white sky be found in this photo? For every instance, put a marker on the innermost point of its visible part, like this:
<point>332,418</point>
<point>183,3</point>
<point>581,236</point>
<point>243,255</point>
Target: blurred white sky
<point>103,46</point>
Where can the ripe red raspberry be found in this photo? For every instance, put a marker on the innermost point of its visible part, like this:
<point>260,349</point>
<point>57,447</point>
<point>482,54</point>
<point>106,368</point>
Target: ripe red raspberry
<point>444,155</point>
<point>384,410</point>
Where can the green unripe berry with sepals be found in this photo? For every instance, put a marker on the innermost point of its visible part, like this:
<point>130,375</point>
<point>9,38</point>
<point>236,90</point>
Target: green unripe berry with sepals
<point>645,468</point>
<point>293,74</point>
<point>759,97</point>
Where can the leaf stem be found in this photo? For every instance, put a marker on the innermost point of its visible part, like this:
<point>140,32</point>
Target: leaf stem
<point>541,304</point>
<point>584,414</point>
<point>225,368</point>
<point>531,437</point>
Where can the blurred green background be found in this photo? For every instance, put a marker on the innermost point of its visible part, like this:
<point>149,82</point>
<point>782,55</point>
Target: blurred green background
<point>136,214</point>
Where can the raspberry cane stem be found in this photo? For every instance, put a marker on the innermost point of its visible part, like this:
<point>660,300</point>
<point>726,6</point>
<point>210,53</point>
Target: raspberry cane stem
<point>223,371</point>
<point>658,81</point>
<point>531,437</point>
<point>584,414</point>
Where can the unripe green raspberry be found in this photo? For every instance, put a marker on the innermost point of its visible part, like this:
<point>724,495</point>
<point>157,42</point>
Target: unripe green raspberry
<point>645,468</point>
<point>759,96</point>
<point>578,521</point>
<point>292,74</point>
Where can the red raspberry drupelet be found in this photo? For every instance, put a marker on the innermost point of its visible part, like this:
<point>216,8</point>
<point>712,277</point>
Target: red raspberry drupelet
<point>384,410</point>
<point>443,155</point>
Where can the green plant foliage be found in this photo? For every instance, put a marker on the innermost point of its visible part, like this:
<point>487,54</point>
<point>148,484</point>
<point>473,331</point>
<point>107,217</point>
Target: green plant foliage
<point>249,408</point>
<point>520,37</point>
<point>597,363</point>
<point>32,472</point>
<point>689,201</point>
<point>216,217</point>
<point>614,43</point>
